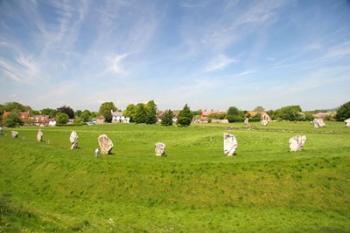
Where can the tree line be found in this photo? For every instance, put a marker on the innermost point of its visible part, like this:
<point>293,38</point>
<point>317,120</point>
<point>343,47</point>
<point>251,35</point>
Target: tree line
<point>147,113</point>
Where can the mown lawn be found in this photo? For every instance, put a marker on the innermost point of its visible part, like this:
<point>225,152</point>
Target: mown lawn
<point>46,187</point>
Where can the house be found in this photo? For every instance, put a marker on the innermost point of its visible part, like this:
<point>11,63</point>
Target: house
<point>52,122</point>
<point>118,117</point>
<point>100,120</point>
<point>40,120</point>
<point>24,116</point>
<point>208,116</point>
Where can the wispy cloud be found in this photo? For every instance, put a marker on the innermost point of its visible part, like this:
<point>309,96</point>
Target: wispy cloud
<point>219,62</point>
<point>115,63</point>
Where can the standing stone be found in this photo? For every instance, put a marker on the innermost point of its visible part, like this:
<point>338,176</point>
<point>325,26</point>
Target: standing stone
<point>264,122</point>
<point>40,136</point>
<point>347,122</point>
<point>297,143</point>
<point>160,149</point>
<point>318,123</point>
<point>106,144</point>
<point>1,131</point>
<point>14,134</point>
<point>230,144</point>
<point>97,152</point>
<point>246,121</point>
<point>73,140</point>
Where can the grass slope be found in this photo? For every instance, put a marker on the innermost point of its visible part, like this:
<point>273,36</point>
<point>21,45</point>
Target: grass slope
<point>45,187</point>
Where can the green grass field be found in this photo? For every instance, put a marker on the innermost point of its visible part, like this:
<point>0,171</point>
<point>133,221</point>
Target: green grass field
<point>46,187</point>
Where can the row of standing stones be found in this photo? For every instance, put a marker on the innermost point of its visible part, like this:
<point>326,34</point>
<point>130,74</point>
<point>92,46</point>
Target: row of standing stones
<point>296,143</point>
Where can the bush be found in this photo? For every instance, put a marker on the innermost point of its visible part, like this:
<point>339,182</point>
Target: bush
<point>290,113</point>
<point>343,112</point>
<point>85,116</point>
<point>167,118</point>
<point>255,118</point>
<point>61,118</point>
<point>185,116</point>
<point>234,115</point>
<point>13,120</point>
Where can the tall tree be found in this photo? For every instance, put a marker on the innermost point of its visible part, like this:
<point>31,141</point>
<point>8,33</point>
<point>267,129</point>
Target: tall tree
<point>49,111</point>
<point>140,113</point>
<point>10,106</point>
<point>151,112</point>
<point>343,112</point>
<point>130,112</point>
<point>105,110</point>
<point>67,110</point>
<point>185,116</point>
<point>167,118</point>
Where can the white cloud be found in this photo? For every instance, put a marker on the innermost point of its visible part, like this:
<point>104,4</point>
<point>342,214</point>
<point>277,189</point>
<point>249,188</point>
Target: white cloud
<point>219,62</point>
<point>115,63</point>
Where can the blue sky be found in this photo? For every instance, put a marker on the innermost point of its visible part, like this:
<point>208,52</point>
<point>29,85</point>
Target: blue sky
<point>209,54</point>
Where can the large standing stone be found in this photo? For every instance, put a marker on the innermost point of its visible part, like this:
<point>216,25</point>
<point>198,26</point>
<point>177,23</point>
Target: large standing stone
<point>106,144</point>
<point>347,122</point>
<point>73,140</point>
<point>318,123</point>
<point>264,122</point>
<point>40,136</point>
<point>160,149</point>
<point>230,144</point>
<point>14,134</point>
<point>297,143</point>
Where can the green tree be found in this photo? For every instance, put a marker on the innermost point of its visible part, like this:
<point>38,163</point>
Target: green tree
<point>10,106</point>
<point>77,113</point>
<point>105,110</point>
<point>67,110</point>
<point>49,111</point>
<point>343,112</point>
<point>151,112</point>
<point>234,115</point>
<point>130,112</point>
<point>259,109</point>
<point>62,118</point>
<point>13,119</point>
<point>185,116</point>
<point>167,118</point>
<point>140,113</point>
<point>291,113</point>
<point>85,115</point>
<point>255,118</point>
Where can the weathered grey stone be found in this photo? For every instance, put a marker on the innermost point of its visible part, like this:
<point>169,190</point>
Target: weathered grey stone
<point>14,134</point>
<point>318,123</point>
<point>246,121</point>
<point>97,152</point>
<point>230,144</point>
<point>264,122</point>
<point>297,143</point>
<point>347,122</point>
<point>40,136</point>
<point>160,149</point>
<point>73,140</point>
<point>105,143</point>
